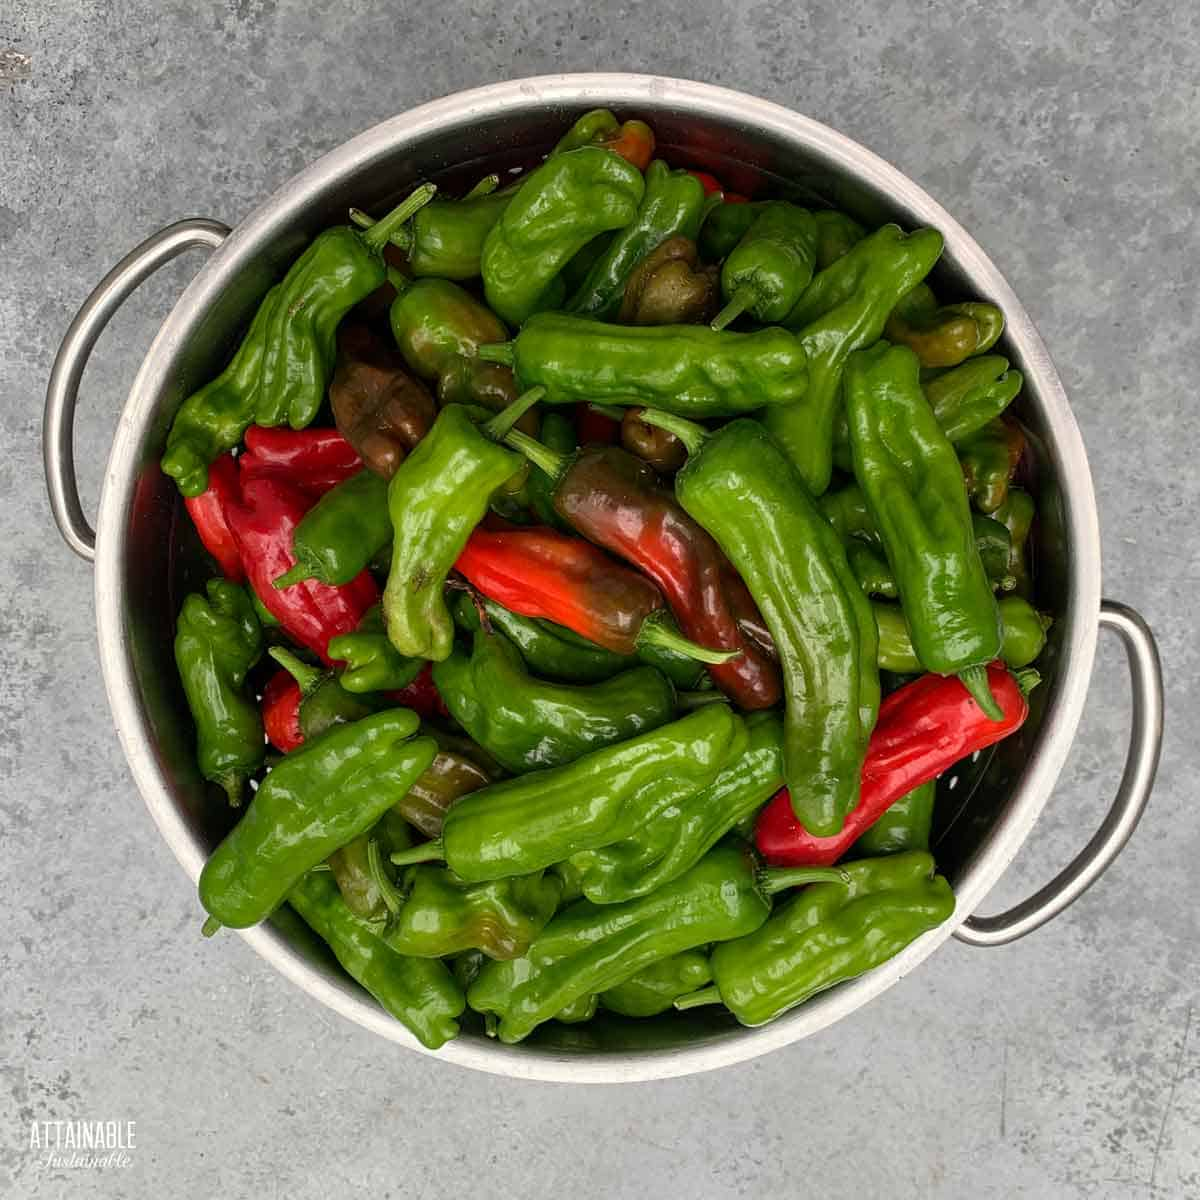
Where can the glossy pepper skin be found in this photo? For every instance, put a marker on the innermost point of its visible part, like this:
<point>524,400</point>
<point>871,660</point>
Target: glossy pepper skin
<point>670,286</point>
<point>837,234</point>
<point>442,915</point>
<point>523,825</point>
<point>324,703</point>
<point>1016,514</point>
<point>528,724</point>
<point>675,834</point>
<point>741,488</point>
<point>281,712</point>
<point>989,460</point>
<point>655,988</point>
<point>830,932</point>
<point>217,641</point>
<point>314,459</point>
<point>379,408</point>
<point>766,273</point>
<point>843,310</point>
<point>420,993</point>
<point>310,613</point>
<point>673,204</point>
<point>690,370</point>
<point>904,826</point>
<point>943,335</point>
<point>317,799</point>
<point>451,775</point>
<point>207,511</point>
<point>632,140</point>
<point>590,948</point>
<point>558,433</point>
<point>725,226</point>
<point>616,501</point>
<point>213,419</point>
<point>558,209</point>
<point>924,728</point>
<point>660,449</point>
<point>361,871</point>
<point>910,478</point>
<point>436,498</point>
<point>372,663</point>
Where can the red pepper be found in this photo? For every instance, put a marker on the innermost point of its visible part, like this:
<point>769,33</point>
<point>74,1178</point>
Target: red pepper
<point>313,460</point>
<point>281,712</point>
<point>309,612</point>
<point>923,729</point>
<point>207,511</point>
<point>710,183</point>
<point>421,695</point>
<point>633,141</point>
<point>593,428</point>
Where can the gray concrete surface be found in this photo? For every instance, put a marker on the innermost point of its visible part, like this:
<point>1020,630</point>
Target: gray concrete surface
<point>1067,137</point>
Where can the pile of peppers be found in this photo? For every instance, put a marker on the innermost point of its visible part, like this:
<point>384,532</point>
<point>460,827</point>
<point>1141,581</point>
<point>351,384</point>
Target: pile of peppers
<point>604,568</point>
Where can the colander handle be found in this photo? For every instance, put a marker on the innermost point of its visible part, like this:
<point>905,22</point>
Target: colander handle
<point>1141,763</point>
<point>58,421</point>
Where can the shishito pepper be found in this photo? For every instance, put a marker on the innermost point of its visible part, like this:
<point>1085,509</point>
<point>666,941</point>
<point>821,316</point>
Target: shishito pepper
<point>658,447</point>
<point>632,140</point>
<point>670,286</point>
<point>456,771</point>
<point>911,480</point>
<point>323,703</point>
<point>673,205</point>
<point>590,948</point>
<point>317,799</point>
<point>616,501</point>
<point>655,988</point>
<point>730,222</point>
<point>528,723</point>
<point>314,459</point>
<point>767,271</point>
<point>362,871</point>
<point>674,835</point>
<point>207,511</point>
<point>989,460</point>
<point>689,370</point>
<point>217,641</point>
<point>837,233</point>
<point>523,825</point>
<point>904,826</point>
<point>436,498</point>
<point>1016,514</point>
<point>943,335</point>
<point>739,486</point>
<point>372,663</point>
<point>420,993</point>
<point>442,915</point>
<point>558,209</point>
<point>842,310</point>
<point>827,933</point>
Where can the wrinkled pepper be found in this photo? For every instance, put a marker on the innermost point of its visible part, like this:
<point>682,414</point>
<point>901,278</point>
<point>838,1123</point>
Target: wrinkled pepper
<point>323,701</point>
<point>452,775</point>
<point>558,209</point>
<point>280,709</point>
<point>1016,514</point>
<point>911,481</point>
<point>372,663</point>
<point>690,370</point>
<point>906,825</point>
<point>632,140</point>
<point>943,335</point>
<point>670,286</point>
<point>315,800</point>
<point>989,458</point>
<point>827,933</point>
<point>655,988</point>
<point>217,641</point>
<point>314,459</point>
<point>361,868</point>
<point>207,511</point>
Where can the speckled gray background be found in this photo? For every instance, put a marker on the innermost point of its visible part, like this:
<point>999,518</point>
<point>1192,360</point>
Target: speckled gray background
<point>1067,140</point>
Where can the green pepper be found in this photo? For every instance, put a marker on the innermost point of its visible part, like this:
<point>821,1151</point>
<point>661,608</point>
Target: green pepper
<point>844,309</point>
<point>837,234</point>
<point>943,335</point>
<point>217,641</point>
<point>989,459</point>
<point>372,663</point>
<point>590,948</point>
<point>557,210</point>
<point>315,800</point>
<point>439,493</point>
<point>323,701</point>
<point>655,988</point>
<point>1023,634</point>
<point>525,824</point>
<point>768,270</point>
<point>445,238</point>
<point>362,868</point>
<point>529,723</point>
<point>904,826</point>
<point>871,569</point>
<point>419,992</point>
<point>740,487</point>
<point>340,535</point>
<point>442,915</point>
<point>578,1011</point>
<point>213,420</point>
<point>1016,514</point>
<point>827,933</point>
<point>558,432</point>
<point>690,370</point>
<point>725,226</point>
<point>672,204</point>
<point>673,836</point>
<point>586,131</point>
<point>912,483</point>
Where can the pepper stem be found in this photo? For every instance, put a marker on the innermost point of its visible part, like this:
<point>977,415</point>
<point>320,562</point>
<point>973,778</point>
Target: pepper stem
<point>975,680</point>
<point>211,926</point>
<point>392,899</point>
<point>689,701</point>
<point>1028,679</point>
<point>307,677</point>
<point>485,187</point>
<point>380,232</point>
<point>399,280</point>
<point>401,237</point>
<point>738,303</point>
<point>425,852</point>
<point>692,435</point>
<point>779,879</point>
<point>538,453</point>
<point>708,995</point>
<point>657,630</point>
<point>497,352</point>
<point>612,411</point>
<point>502,423</point>
<point>297,574</point>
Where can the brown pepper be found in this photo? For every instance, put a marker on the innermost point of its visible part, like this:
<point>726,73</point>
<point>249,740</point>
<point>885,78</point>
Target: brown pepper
<point>658,447</point>
<point>670,287</point>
